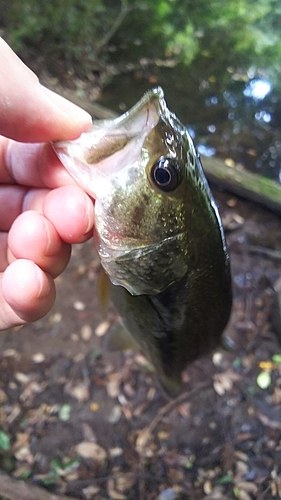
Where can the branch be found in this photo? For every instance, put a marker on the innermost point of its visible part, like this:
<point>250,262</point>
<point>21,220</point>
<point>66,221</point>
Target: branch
<point>125,9</point>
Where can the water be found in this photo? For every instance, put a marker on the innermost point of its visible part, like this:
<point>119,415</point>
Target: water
<point>237,117</point>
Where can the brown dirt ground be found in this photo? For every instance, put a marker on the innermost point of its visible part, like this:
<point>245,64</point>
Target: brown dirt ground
<point>96,425</point>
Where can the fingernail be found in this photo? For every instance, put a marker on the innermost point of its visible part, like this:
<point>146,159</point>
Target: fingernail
<point>89,210</point>
<point>72,110</point>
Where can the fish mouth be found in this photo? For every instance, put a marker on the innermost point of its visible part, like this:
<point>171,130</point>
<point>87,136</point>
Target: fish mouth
<point>111,145</point>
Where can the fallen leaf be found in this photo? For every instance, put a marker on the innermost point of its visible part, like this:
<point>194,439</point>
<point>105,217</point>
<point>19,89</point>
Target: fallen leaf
<point>223,382</point>
<point>90,492</point>
<point>79,391</point>
<point>114,494</point>
<point>113,385</point>
<point>272,424</point>
<point>92,451</point>
<point>102,328</point>
<point>4,441</point>
<point>64,412</point>
<point>264,379</point>
<point>142,440</point>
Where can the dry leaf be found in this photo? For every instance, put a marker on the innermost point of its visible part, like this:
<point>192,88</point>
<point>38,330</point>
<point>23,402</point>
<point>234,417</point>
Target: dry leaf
<point>265,420</point>
<point>243,495</point>
<point>79,391</point>
<point>115,452</point>
<point>114,494</point>
<point>248,486</point>
<point>24,454</point>
<point>93,451</point>
<point>113,385</point>
<point>124,482</point>
<point>3,397</point>
<point>90,492</point>
<point>142,440</point>
<point>223,382</point>
<point>102,328</point>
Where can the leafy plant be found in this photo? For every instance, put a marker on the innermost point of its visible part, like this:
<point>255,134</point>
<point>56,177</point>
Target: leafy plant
<point>88,34</point>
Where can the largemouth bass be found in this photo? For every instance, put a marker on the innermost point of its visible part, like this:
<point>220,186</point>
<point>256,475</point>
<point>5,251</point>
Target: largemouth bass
<point>158,233</point>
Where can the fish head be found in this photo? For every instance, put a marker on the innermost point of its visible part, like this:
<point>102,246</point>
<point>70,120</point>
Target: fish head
<point>145,176</point>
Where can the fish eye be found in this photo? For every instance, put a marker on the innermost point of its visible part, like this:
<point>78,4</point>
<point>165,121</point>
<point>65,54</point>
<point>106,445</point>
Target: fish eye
<point>165,174</point>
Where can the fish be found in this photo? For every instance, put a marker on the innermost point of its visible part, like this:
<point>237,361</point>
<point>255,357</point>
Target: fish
<point>158,233</point>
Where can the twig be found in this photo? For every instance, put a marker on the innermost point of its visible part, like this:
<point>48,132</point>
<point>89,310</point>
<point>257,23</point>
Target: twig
<point>125,9</point>
<point>13,489</point>
<point>175,402</point>
<point>266,252</point>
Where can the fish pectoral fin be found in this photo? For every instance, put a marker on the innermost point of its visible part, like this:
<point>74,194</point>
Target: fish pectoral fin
<point>119,339</point>
<point>103,289</point>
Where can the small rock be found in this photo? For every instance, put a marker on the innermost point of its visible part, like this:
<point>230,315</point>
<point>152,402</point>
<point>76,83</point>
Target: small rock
<point>55,318</point>
<point>79,305</point>
<point>86,333</point>
<point>115,414</point>
<point>38,357</point>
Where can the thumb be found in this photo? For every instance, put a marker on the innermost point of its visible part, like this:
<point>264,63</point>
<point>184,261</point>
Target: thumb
<point>28,111</point>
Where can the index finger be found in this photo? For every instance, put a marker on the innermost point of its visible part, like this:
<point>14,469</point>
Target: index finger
<point>32,165</point>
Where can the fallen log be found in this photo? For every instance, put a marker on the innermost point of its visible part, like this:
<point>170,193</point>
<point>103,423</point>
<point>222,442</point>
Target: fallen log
<point>243,183</point>
<point>14,489</point>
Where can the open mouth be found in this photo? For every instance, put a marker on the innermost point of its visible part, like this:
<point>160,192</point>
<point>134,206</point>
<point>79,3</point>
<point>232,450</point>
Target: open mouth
<point>111,145</point>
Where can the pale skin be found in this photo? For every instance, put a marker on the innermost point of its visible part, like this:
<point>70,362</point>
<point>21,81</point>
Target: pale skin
<point>42,211</point>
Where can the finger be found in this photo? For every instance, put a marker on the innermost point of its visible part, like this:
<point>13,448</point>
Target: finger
<point>30,112</point>
<point>33,237</point>
<point>27,294</point>
<point>3,251</point>
<point>72,213</point>
<point>17,199</point>
<point>11,201</point>
<point>31,165</point>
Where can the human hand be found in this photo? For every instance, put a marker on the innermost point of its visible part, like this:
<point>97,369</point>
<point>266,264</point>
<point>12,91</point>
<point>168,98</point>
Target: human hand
<point>42,211</point>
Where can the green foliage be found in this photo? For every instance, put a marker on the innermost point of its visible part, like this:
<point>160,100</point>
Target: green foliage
<point>4,441</point>
<point>72,29</point>
<point>83,32</point>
